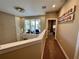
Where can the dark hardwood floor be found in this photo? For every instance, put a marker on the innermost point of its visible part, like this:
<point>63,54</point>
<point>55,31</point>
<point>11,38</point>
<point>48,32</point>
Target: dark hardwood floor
<point>52,49</point>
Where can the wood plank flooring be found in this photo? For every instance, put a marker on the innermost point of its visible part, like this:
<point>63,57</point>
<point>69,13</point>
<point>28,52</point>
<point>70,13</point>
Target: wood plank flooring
<point>52,49</point>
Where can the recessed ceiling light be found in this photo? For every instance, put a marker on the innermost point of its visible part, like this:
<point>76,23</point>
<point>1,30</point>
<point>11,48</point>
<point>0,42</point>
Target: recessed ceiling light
<point>53,6</point>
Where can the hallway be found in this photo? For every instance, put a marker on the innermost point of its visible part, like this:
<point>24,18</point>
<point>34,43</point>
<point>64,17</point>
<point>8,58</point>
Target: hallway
<point>52,50</point>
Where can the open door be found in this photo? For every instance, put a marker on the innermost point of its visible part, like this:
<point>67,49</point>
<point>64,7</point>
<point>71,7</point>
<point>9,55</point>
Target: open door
<point>52,27</point>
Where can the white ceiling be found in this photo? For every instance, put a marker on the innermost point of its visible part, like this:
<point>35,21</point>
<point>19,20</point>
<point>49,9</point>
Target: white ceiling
<point>32,7</point>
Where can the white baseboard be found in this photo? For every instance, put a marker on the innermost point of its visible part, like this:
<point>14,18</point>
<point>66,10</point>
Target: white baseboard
<point>62,50</point>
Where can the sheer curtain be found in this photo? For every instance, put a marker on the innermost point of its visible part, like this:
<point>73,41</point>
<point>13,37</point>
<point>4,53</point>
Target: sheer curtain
<point>32,26</point>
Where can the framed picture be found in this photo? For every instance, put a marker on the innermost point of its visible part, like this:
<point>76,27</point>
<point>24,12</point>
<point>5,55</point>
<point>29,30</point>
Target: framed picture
<point>68,16</point>
<point>72,10</point>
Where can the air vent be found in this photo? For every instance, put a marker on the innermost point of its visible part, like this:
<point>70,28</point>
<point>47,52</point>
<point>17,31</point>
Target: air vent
<point>43,7</point>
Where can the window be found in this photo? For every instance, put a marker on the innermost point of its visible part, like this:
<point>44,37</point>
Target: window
<point>27,25</point>
<point>32,26</point>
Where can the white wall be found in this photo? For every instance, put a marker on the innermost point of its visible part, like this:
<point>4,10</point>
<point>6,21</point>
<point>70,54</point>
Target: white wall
<point>67,32</point>
<point>7,28</point>
<point>28,52</point>
<point>18,31</point>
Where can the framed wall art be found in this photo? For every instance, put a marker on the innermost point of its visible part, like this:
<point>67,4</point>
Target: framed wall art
<point>68,16</point>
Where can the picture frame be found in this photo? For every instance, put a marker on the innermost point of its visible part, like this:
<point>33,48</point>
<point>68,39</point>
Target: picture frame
<point>68,16</point>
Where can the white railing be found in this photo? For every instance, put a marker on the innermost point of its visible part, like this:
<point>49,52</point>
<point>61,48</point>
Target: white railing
<point>45,36</point>
<point>5,48</point>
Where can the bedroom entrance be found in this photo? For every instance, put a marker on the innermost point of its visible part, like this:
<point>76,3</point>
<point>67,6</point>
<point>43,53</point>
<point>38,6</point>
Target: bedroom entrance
<point>52,27</point>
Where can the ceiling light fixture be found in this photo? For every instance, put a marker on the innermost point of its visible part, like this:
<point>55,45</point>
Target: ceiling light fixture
<point>19,9</point>
<point>53,6</point>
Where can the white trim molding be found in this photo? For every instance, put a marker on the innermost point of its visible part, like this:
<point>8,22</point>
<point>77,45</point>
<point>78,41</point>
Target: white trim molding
<point>56,24</point>
<point>43,43</point>
<point>77,48</point>
<point>5,48</point>
<point>62,49</point>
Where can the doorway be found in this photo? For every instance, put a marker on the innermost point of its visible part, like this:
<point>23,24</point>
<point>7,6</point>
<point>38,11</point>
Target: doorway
<point>52,27</point>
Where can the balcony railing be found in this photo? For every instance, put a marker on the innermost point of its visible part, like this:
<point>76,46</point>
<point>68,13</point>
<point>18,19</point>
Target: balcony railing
<point>15,46</point>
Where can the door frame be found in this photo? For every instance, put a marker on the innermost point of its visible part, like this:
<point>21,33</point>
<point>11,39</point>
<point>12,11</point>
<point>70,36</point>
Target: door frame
<point>77,48</point>
<point>56,25</point>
